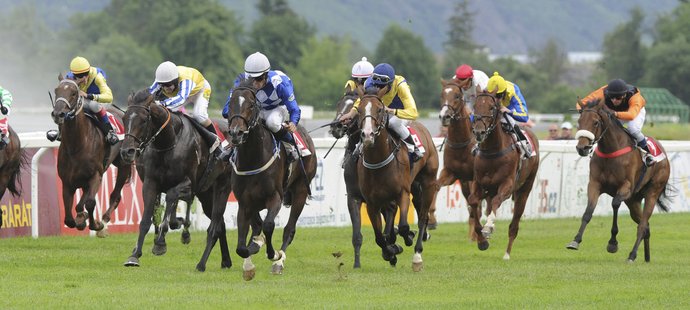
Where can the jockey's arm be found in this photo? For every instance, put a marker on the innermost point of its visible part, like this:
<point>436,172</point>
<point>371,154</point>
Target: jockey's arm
<point>106,95</point>
<point>409,110</point>
<point>287,95</point>
<point>518,106</point>
<point>635,104</point>
<point>178,100</point>
<point>597,94</point>
<point>5,98</point>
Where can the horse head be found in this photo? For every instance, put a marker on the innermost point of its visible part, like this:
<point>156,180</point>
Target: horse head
<point>372,115</point>
<point>243,113</point>
<point>486,115</point>
<point>137,122</point>
<point>344,105</point>
<point>595,119</point>
<point>67,103</point>
<point>452,103</point>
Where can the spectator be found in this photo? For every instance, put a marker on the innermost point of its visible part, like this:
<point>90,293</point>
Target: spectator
<point>567,131</point>
<point>553,132</point>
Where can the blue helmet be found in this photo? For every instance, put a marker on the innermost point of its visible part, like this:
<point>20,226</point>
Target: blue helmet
<point>384,74</point>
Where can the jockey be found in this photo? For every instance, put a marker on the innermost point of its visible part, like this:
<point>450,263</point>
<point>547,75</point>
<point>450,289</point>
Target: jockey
<point>513,104</point>
<point>95,91</point>
<point>469,79</point>
<point>361,71</point>
<point>628,105</point>
<point>398,102</point>
<point>176,86</point>
<point>275,93</point>
<point>5,105</point>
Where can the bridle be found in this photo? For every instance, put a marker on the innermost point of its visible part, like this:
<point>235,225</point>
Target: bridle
<point>75,108</point>
<point>251,122</point>
<point>590,135</point>
<point>380,120</point>
<point>143,143</point>
<point>455,114</point>
<point>491,124</point>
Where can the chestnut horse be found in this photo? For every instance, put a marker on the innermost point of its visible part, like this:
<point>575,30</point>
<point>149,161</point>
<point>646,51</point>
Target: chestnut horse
<point>617,169</point>
<point>387,178</point>
<point>500,172</point>
<point>171,157</point>
<point>262,178</point>
<point>458,160</point>
<point>11,161</point>
<point>83,157</point>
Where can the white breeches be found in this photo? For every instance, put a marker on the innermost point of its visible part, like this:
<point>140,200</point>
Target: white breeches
<point>275,118</point>
<point>399,126</point>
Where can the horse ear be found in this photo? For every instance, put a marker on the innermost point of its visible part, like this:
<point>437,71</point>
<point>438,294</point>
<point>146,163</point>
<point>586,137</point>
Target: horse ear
<point>359,91</point>
<point>493,91</point>
<point>60,77</point>
<point>580,105</point>
<point>382,91</point>
<point>479,89</point>
<point>443,82</point>
<point>348,88</point>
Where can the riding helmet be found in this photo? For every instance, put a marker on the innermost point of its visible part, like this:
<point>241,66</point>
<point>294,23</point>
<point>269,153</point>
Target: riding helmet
<point>256,64</point>
<point>498,83</point>
<point>616,88</point>
<point>79,65</point>
<point>463,72</point>
<point>383,74</point>
<point>166,72</point>
<point>362,69</point>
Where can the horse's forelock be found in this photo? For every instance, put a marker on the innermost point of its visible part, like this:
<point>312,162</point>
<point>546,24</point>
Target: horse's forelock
<point>140,97</point>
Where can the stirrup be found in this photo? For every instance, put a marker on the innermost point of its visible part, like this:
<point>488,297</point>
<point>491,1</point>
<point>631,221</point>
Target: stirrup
<point>111,137</point>
<point>53,135</point>
<point>648,160</point>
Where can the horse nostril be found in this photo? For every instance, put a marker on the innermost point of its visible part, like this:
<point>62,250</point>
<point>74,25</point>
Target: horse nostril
<point>61,114</point>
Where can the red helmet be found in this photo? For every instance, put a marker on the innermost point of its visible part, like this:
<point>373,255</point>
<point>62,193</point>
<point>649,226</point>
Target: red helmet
<point>463,72</point>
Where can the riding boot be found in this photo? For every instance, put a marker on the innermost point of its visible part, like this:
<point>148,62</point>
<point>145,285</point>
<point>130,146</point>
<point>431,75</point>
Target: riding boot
<point>523,142</point>
<point>53,135</point>
<point>647,156</point>
<point>417,153</point>
<point>107,129</point>
<point>289,144</point>
<point>215,150</point>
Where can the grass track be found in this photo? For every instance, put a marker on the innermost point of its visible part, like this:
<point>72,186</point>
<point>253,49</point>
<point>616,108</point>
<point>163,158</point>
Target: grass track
<point>70,272</point>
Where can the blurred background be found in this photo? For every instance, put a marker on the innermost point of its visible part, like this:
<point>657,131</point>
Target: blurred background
<point>554,50</point>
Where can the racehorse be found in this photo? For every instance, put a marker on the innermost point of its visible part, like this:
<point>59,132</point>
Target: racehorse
<point>458,160</point>
<point>260,180</point>
<point>171,157</point>
<point>11,161</point>
<point>500,172</point>
<point>386,178</point>
<point>618,170</point>
<point>83,157</point>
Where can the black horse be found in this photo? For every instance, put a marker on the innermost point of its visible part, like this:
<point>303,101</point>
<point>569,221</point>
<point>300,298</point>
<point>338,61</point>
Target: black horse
<point>171,158</point>
<point>11,161</point>
<point>261,180</point>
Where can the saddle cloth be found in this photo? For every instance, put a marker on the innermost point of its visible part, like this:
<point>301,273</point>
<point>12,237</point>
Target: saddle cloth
<point>223,142</point>
<point>303,149</point>
<point>417,141</point>
<point>117,125</point>
<point>655,150</point>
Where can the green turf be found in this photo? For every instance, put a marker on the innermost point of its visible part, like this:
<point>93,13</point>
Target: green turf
<point>71,272</point>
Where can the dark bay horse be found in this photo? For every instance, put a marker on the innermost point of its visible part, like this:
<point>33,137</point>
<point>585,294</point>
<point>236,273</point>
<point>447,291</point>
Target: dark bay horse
<point>387,178</point>
<point>83,157</point>
<point>11,161</point>
<point>500,172</point>
<point>260,180</point>
<point>458,160</point>
<point>617,169</point>
<point>171,158</point>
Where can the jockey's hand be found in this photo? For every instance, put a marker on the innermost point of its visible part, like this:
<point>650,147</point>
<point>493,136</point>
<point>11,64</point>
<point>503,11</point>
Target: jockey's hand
<point>82,94</point>
<point>158,103</point>
<point>506,110</point>
<point>389,110</point>
<point>347,117</point>
<point>291,127</point>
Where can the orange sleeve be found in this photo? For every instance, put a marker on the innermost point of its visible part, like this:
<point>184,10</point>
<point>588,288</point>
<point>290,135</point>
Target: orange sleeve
<point>635,104</point>
<point>597,94</point>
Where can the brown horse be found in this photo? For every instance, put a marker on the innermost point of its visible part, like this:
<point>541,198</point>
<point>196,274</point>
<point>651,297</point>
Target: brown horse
<point>11,161</point>
<point>618,170</point>
<point>83,157</point>
<point>261,180</point>
<point>171,157</point>
<point>458,160</point>
<point>500,172</point>
<point>387,178</point>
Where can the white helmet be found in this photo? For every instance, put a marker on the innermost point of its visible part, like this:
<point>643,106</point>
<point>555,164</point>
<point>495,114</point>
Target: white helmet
<point>256,64</point>
<point>362,69</point>
<point>166,72</point>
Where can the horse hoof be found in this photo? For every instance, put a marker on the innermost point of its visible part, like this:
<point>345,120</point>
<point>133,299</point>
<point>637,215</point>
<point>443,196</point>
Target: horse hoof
<point>506,256</point>
<point>186,238</point>
<point>483,245</point>
<point>106,218</point>
<point>225,264</point>
<point>70,223</point>
<point>81,226</point>
<point>103,233</point>
<point>573,245</point>
<point>417,267</point>
<point>487,231</point>
<point>393,261</point>
<point>159,249</point>
<point>98,226</point>
<point>409,238</point>
<point>132,262</point>
<point>427,236</point>
<point>248,275</point>
<point>277,269</point>
<point>201,267</point>
<point>432,226</point>
<point>612,248</point>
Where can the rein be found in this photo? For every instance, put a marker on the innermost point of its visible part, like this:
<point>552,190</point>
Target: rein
<point>145,143</point>
<point>380,124</point>
<point>80,101</point>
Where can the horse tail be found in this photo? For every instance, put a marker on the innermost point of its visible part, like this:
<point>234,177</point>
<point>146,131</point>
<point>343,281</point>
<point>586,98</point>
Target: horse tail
<point>15,183</point>
<point>666,197</point>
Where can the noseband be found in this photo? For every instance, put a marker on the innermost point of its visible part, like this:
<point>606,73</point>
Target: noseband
<point>78,106</point>
<point>251,122</point>
<point>380,120</point>
<point>593,139</point>
<point>455,113</point>
<point>491,124</point>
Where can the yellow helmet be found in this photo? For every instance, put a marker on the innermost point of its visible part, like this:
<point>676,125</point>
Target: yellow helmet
<point>79,65</point>
<point>497,82</point>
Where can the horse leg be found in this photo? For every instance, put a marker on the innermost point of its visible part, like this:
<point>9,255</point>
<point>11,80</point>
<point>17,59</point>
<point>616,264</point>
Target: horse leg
<point>354,206</point>
<point>476,195</point>
<point>216,231</point>
<point>388,250</point>
<point>68,200</point>
<point>642,220</point>
<point>423,204</point>
<point>160,247</point>
<point>89,199</point>
<point>592,197</point>
<point>258,239</point>
<point>471,223</point>
<point>514,227</point>
<point>444,179</point>
<point>269,225</point>
<point>150,202</point>
<point>299,198</point>
<point>124,172</point>
<point>403,227</point>
<point>612,246</point>
<point>185,237</point>
<point>390,232</point>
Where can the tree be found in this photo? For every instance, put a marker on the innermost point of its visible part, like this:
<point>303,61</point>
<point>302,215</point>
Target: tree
<point>280,38</point>
<point>551,60</point>
<point>409,56</point>
<point>461,25</point>
<point>623,53</point>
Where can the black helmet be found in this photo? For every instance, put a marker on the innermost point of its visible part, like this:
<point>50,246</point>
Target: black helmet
<point>616,88</point>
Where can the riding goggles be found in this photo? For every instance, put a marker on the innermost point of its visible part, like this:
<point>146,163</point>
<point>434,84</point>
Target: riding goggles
<point>380,79</point>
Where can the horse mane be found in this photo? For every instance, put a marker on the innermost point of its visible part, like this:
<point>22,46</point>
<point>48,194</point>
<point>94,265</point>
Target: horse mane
<point>140,96</point>
<point>371,90</point>
<point>246,83</point>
